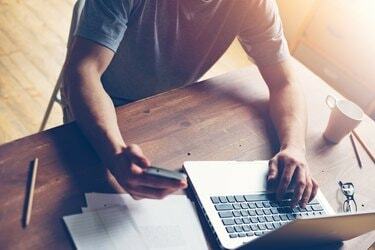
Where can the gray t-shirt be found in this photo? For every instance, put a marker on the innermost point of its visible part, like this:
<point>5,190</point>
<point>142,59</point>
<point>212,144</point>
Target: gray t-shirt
<point>165,44</point>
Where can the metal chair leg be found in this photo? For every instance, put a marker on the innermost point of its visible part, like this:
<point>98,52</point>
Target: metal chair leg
<point>52,100</point>
<point>77,9</point>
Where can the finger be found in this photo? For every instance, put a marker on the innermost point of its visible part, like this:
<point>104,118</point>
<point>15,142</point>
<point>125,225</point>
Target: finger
<point>273,170</point>
<point>157,182</point>
<point>137,198</point>
<point>150,193</point>
<point>307,193</point>
<point>135,154</point>
<point>300,186</point>
<point>285,180</point>
<point>134,171</point>
<point>314,190</point>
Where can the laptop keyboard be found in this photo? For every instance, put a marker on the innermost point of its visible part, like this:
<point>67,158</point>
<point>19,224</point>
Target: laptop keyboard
<point>255,215</point>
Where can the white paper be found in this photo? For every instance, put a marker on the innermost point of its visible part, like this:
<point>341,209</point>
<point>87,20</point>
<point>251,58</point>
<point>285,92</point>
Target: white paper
<point>171,223</point>
<point>110,228</point>
<point>102,200</point>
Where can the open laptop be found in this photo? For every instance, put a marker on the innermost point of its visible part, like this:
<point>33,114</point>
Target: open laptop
<point>241,211</point>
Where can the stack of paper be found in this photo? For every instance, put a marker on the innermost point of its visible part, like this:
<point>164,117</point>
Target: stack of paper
<point>116,221</point>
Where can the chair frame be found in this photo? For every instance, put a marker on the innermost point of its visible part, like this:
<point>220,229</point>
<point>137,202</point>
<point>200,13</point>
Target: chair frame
<point>56,95</point>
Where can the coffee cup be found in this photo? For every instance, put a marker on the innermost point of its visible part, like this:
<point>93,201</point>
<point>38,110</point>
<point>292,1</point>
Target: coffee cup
<point>345,116</point>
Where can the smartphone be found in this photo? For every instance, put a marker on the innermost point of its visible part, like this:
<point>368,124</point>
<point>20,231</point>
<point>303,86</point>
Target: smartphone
<point>160,172</point>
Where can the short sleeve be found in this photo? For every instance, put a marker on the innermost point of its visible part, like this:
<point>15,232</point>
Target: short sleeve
<point>262,34</point>
<point>104,21</point>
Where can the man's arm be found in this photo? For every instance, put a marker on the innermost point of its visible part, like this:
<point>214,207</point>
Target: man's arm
<point>288,112</point>
<point>95,114</point>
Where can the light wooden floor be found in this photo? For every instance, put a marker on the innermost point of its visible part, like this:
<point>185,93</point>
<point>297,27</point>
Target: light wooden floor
<point>33,35</point>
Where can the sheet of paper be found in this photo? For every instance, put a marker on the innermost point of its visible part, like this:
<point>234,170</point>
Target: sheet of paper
<point>110,228</point>
<point>171,223</point>
<point>102,200</point>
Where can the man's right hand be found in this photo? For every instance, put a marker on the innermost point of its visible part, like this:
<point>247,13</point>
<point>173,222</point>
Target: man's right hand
<point>128,169</point>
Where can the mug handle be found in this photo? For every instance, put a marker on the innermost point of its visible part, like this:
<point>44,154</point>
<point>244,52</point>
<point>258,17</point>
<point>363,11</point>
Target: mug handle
<point>331,101</point>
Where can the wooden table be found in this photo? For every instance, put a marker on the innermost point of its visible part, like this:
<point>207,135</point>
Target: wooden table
<point>224,118</point>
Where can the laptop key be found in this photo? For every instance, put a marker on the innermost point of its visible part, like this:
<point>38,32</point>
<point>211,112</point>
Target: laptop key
<point>285,210</point>
<point>276,217</point>
<point>256,197</point>
<point>223,199</point>
<point>283,217</point>
<point>254,219</point>
<point>276,224</point>
<point>236,213</point>
<point>215,200</point>
<point>253,227</point>
<point>236,206</point>
<point>246,220</point>
<point>241,234</point>
<point>228,222</point>
<point>230,229</point>
<point>273,204</point>
<point>269,218</point>
<point>259,204</point>
<point>226,214</point>
<point>261,219</point>
<point>266,204</point>
<point>250,234</point>
<point>269,226</point>
<point>238,229</point>
<point>274,210</point>
<point>231,199</point>
<point>261,226</point>
<point>238,221</point>
<point>251,212</point>
<point>233,236</point>
<point>244,205</point>
<point>251,205</point>
<point>225,206</point>
<point>259,211</point>
<point>317,207</point>
<point>246,228</point>
<point>290,216</point>
<point>244,213</point>
<point>258,233</point>
<point>239,198</point>
<point>267,211</point>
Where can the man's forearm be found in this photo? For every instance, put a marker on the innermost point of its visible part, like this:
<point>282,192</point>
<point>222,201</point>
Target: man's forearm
<point>94,112</point>
<point>288,113</point>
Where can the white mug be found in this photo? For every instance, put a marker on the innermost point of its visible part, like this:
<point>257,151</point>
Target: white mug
<point>345,116</point>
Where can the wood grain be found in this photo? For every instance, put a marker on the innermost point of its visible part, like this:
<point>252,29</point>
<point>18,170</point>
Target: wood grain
<point>223,118</point>
<point>31,56</point>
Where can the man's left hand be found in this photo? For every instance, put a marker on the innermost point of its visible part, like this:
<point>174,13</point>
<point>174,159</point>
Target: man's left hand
<point>289,168</point>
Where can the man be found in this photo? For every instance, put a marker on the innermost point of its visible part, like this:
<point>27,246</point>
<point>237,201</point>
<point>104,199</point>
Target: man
<point>125,50</point>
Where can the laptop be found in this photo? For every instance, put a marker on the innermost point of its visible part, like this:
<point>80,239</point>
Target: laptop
<point>243,213</point>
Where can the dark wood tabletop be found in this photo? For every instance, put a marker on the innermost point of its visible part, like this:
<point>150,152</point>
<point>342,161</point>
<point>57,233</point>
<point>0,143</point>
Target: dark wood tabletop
<point>223,118</point>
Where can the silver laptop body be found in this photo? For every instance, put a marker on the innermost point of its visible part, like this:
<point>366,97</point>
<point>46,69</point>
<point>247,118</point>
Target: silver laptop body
<point>219,184</point>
